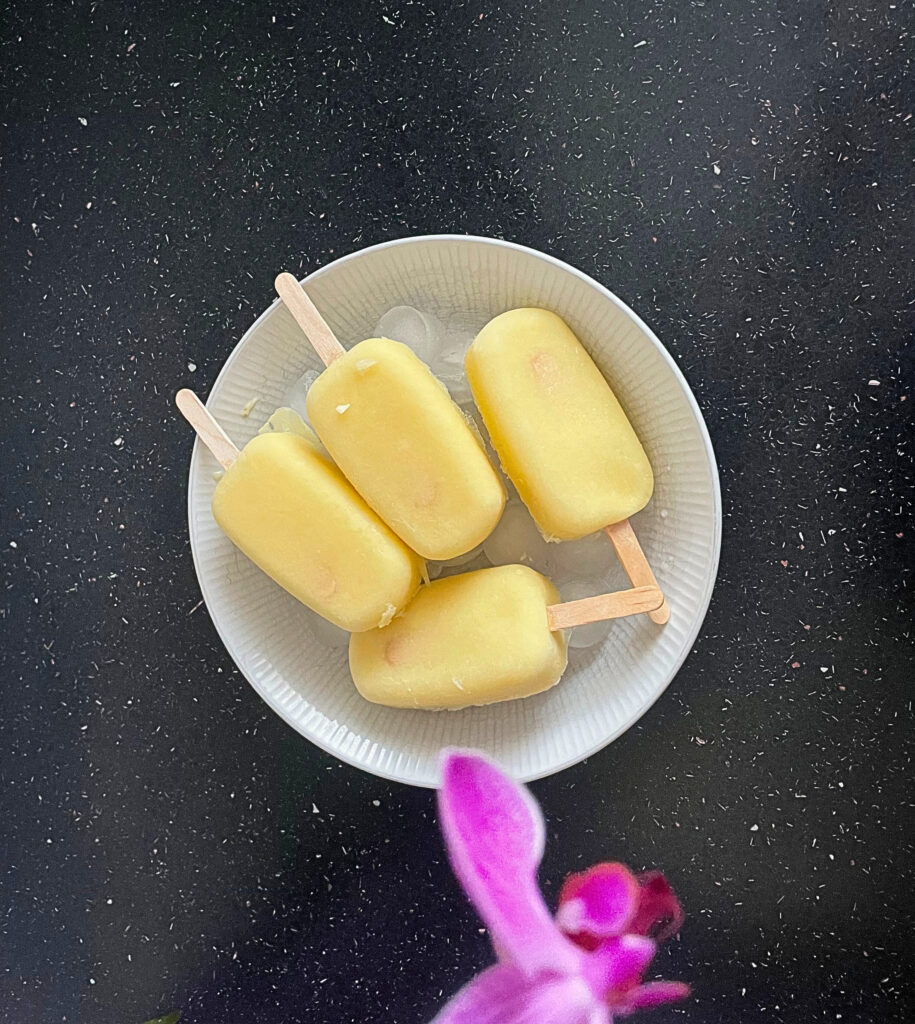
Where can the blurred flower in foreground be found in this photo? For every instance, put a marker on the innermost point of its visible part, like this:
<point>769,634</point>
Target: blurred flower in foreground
<point>583,967</point>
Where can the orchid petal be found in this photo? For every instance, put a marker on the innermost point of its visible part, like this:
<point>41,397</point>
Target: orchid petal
<point>659,913</point>
<point>506,995</point>
<point>494,833</point>
<point>598,902</point>
<point>617,966</point>
<point>656,993</point>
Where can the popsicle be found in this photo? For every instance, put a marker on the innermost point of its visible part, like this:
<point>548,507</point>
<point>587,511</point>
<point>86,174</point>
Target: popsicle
<point>481,637</point>
<point>293,513</point>
<point>399,439</point>
<point>561,434</point>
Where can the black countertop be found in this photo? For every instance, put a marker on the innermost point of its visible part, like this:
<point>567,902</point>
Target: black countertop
<point>741,174</point>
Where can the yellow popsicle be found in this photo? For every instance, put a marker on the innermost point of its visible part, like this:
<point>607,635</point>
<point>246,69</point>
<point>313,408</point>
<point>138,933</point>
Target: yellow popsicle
<point>294,514</point>
<point>393,430</point>
<point>560,433</point>
<point>471,639</point>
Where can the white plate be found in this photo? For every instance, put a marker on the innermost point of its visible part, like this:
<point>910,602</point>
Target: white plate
<point>465,281</point>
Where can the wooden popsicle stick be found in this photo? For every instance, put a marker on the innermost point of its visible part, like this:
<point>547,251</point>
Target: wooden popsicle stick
<point>208,430</point>
<point>604,606</point>
<point>632,558</point>
<point>306,315</point>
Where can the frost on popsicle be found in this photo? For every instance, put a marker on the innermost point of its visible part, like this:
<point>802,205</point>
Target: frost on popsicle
<point>586,965</point>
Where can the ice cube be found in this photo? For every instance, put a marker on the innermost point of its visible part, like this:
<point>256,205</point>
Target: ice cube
<point>479,561</point>
<point>594,632</point>
<point>459,560</point>
<point>475,422</point>
<point>591,556</point>
<point>449,366</point>
<point>420,331</point>
<point>457,385</point>
<point>517,539</point>
<point>287,421</point>
<point>326,633</point>
<point>295,395</point>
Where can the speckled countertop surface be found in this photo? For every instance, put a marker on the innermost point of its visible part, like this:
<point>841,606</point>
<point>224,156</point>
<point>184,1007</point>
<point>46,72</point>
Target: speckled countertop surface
<point>740,173</point>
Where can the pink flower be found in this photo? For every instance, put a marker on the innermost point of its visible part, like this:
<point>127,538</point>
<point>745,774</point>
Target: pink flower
<point>583,967</point>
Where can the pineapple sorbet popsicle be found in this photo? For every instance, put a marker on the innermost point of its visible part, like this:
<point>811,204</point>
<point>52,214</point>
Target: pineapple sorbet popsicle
<point>560,433</point>
<point>406,447</point>
<point>471,639</point>
<point>294,514</point>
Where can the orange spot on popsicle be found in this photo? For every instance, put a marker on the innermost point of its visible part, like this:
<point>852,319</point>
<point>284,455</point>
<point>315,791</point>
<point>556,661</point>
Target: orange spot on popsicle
<point>545,369</point>
<point>399,650</point>
<point>325,582</point>
<point>425,492</point>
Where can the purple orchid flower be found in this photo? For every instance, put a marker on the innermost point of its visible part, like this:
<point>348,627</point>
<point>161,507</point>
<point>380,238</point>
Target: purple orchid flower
<point>586,965</point>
